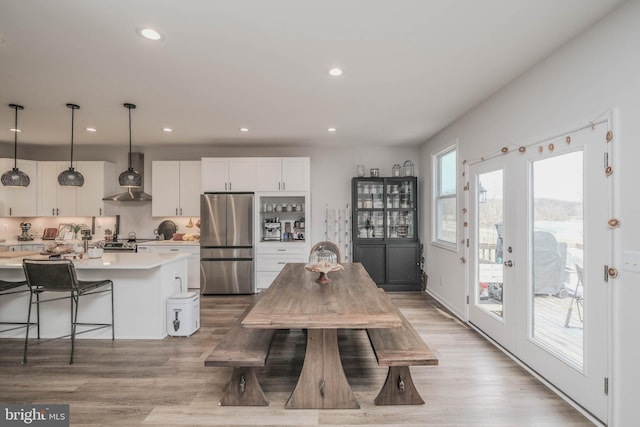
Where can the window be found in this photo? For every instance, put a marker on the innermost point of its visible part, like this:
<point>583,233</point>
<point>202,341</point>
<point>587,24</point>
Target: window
<point>444,198</point>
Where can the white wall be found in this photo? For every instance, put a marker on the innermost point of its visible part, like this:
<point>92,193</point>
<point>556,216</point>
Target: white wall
<point>597,71</point>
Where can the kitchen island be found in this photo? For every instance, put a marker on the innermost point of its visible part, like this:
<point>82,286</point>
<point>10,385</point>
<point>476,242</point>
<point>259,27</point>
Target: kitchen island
<point>142,283</point>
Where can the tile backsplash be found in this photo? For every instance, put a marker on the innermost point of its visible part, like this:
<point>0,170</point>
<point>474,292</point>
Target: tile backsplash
<point>10,227</point>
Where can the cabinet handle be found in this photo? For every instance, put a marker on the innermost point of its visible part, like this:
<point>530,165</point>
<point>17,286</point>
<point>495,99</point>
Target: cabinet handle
<point>283,189</point>
<point>229,186</point>
<point>180,211</point>
<point>282,250</point>
<point>53,211</point>
<point>174,250</point>
<point>281,262</point>
<point>279,184</point>
<point>176,211</point>
<point>10,211</point>
<point>100,211</point>
<point>225,186</point>
<point>57,211</point>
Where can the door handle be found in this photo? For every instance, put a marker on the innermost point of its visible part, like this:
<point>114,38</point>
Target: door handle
<point>508,263</point>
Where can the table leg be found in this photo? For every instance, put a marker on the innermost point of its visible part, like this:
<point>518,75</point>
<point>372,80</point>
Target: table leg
<point>322,383</point>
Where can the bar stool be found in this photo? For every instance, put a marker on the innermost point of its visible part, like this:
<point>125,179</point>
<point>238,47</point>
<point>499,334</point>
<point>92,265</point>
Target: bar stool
<point>60,276</point>
<point>9,288</point>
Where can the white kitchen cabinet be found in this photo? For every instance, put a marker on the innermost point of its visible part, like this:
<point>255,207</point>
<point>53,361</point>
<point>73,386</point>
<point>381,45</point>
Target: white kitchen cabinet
<point>176,188</point>
<point>272,257</point>
<point>282,174</point>
<point>57,200</point>
<point>54,199</point>
<point>228,174</point>
<point>99,181</point>
<point>19,201</point>
<point>193,262</point>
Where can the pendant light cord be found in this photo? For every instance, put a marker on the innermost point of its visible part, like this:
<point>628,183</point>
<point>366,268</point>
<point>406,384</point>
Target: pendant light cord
<point>129,107</point>
<point>15,141</point>
<point>73,113</point>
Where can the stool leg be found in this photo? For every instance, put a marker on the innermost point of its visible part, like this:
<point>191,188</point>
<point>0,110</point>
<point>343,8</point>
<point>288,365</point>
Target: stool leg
<point>113,327</point>
<point>74,319</point>
<point>37,313</point>
<point>26,335</point>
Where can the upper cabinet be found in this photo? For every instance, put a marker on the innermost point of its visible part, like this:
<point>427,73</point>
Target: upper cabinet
<point>282,174</point>
<point>56,200</point>
<point>19,201</point>
<point>99,181</point>
<point>228,174</point>
<point>176,188</point>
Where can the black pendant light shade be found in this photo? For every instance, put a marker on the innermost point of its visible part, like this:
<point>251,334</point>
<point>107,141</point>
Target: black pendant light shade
<point>15,177</point>
<point>70,177</point>
<point>130,178</point>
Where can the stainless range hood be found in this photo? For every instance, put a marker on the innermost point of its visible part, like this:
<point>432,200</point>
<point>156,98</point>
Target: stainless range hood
<point>133,194</point>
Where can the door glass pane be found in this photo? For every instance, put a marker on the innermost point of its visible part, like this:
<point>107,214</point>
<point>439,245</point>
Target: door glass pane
<point>489,257</point>
<point>557,254</point>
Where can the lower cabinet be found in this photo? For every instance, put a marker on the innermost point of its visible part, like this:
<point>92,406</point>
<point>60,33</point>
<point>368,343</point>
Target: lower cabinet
<point>272,257</point>
<point>394,267</point>
<point>193,263</point>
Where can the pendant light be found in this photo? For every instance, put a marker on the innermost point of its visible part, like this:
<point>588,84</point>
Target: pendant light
<point>15,177</point>
<point>70,177</point>
<point>130,178</point>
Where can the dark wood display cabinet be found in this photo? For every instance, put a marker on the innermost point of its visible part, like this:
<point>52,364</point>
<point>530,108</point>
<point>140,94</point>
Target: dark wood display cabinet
<point>385,231</point>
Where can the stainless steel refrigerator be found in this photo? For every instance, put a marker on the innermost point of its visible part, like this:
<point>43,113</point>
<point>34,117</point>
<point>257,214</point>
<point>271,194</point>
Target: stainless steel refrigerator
<point>226,243</point>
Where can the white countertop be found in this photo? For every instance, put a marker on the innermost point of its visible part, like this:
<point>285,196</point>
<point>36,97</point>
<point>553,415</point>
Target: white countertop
<point>111,261</point>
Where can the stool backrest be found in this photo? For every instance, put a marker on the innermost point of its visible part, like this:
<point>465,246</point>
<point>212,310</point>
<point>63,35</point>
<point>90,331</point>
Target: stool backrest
<point>50,275</point>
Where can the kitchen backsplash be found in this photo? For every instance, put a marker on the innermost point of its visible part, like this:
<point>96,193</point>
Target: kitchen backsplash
<point>129,222</point>
<point>10,227</point>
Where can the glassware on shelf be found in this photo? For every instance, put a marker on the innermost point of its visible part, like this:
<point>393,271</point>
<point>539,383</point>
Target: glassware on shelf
<point>395,171</point>
<point>360,171</point>
<point>374,172</point>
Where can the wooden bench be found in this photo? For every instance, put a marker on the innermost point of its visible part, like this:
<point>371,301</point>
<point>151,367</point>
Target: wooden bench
<point>242,349</point>
<point>399,348</point>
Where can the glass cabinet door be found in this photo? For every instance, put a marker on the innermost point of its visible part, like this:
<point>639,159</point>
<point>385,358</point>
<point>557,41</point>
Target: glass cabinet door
<point>401,208</point>
<point>370,206</point>
<point>400,194</point>
<point>370,194</point>
<point>386,209</point>
<point>370,225</point>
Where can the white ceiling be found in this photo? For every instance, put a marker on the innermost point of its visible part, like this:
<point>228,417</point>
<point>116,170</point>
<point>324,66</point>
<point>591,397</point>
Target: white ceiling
<point>410,66</point>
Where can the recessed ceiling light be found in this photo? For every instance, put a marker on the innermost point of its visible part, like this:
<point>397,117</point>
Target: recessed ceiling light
<point>91,129</point>
<point>335,72</point>
<point>15,130</point>
<point>167,130</point>
<point>149,33</point>
<point>331,129</point>
<point>244,129</point>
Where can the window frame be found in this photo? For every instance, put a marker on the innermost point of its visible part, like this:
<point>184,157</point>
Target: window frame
<point>437,199</point>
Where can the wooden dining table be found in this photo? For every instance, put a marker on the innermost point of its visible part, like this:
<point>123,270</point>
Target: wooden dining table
<point>296,301</point>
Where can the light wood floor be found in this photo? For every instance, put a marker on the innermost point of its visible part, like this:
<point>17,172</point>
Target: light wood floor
<point>164,382</point>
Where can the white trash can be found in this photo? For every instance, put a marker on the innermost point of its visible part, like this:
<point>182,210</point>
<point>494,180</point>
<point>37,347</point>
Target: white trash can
<point>183,314</point>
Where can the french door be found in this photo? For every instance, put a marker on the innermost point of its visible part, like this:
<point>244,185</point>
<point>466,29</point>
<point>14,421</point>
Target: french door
<point>538,246</point>
<point>492,278</point>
